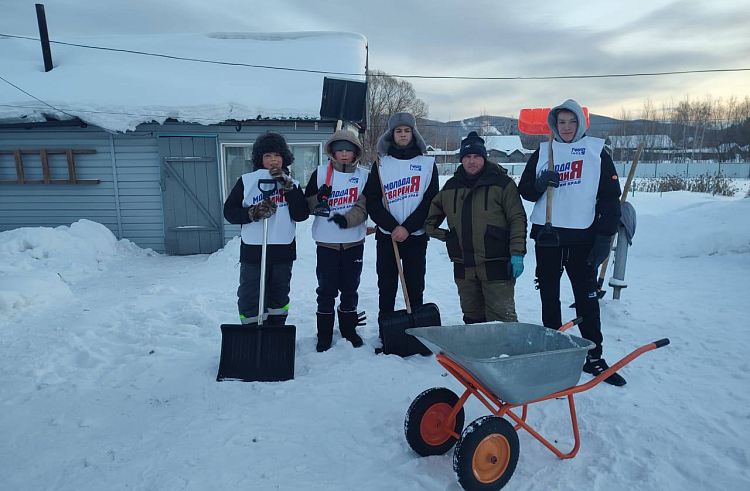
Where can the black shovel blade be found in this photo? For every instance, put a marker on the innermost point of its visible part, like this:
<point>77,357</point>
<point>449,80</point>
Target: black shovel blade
<point>393,324</point>
<point>322,210</point>
<point>252,353</point>
<point>548,236</point>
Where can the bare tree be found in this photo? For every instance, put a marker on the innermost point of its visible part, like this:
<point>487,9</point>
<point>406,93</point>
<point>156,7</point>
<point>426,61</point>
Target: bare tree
<point>386,96</point>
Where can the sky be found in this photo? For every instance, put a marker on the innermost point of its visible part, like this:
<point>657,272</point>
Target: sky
<point>482,38</point>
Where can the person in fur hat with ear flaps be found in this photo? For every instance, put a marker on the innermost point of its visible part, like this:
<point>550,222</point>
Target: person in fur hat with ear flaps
<point>410,181</point>
<point>585,215</point>
<point>340,237</point>
<point>245,206</point>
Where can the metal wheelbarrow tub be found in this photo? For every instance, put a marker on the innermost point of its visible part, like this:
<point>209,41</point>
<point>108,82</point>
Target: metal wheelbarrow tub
<point>517,362</point>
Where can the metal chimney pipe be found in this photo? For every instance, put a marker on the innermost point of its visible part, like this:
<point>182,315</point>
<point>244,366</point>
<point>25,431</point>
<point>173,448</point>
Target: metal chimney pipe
<point>44,37</point>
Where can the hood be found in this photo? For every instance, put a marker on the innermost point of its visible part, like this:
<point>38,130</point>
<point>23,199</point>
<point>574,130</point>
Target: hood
<point>351,138</point>
<point>575,108</point>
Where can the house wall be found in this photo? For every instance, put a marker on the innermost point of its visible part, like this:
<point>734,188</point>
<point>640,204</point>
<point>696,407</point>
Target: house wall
<point>128,198</point>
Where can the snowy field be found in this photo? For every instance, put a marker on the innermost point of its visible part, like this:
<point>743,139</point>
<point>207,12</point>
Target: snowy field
<point>110,354</point>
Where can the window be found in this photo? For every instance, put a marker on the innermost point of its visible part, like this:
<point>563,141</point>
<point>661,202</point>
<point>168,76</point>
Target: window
<point>238,160</point>
<point>306,160</point>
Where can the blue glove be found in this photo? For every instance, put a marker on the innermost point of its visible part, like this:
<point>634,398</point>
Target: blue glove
<point>517,263</point>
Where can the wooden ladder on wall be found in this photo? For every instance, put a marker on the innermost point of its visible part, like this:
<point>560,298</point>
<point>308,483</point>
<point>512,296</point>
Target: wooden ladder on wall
<point>43,154</point>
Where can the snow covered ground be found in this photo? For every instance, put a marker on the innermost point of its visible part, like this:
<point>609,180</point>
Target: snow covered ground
<point>110,354</point>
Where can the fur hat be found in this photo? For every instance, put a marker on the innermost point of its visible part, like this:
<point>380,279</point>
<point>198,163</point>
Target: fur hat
<point>472,144</point>
<point>271,142</point>
<point>400,119</point>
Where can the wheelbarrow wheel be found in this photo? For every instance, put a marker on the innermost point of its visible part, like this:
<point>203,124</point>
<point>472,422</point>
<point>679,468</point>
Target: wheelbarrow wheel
<point>486,455</point>
<point>426,418</point>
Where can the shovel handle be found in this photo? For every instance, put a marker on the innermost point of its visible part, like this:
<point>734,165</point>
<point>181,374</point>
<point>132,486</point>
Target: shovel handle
<point>395,246</point>
<point>550,166</point>
<point>267,187</point>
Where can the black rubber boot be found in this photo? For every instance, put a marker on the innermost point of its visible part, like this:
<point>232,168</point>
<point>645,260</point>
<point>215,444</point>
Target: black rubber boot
<point>275,320</point>
<point>348,322</point>
<point>325,331</point>
<point>595,366</point>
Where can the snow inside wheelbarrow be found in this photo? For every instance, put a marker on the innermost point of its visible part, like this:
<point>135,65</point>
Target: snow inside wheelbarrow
<point>516,362</point>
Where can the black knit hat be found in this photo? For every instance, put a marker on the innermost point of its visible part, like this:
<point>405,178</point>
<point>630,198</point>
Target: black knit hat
<point>271,142</point>
<point>472,144</point>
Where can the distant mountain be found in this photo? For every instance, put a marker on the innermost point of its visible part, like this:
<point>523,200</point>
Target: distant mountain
<point>448,135</point>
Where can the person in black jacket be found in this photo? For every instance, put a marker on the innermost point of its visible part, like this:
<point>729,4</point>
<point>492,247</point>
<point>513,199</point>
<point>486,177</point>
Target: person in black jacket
<point>585,214</point>
<point>245,206</point>
<point>410,180</point>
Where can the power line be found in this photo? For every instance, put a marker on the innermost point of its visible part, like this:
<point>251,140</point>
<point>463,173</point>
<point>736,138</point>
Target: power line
<point>424,125</point>
<point>36,98</point>
<point>433,77</point>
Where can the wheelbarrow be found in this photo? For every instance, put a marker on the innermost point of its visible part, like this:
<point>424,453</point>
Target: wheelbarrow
<point>506,366</point>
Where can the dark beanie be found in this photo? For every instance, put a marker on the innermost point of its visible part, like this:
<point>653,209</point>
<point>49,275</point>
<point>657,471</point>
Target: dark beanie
<point>472,144</point>
<point>344,145</point>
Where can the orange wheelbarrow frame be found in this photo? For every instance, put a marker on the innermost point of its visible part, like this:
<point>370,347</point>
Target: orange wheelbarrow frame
<point>499,408</point>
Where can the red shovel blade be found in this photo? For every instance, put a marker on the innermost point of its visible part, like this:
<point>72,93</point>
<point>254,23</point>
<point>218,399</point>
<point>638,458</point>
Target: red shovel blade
<point>534,121</point>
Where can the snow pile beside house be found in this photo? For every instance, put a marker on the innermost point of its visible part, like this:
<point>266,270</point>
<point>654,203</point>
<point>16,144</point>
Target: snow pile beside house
<point>39,263</point>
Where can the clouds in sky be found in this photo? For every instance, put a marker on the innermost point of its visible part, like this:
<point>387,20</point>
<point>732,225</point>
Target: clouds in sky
<point>478,38</point>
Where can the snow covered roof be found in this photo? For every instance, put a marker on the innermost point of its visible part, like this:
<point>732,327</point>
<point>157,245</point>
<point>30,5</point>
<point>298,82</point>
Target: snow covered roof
<point>649,141</point>
<point>505,143</point>
<point>117,90</point>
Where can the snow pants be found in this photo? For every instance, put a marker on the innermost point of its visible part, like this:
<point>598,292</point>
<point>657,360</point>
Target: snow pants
<point>483,301</point>
<point>413,253</point>
<point>550,262</point>
<point>278,279</point>
<point>338,270</point>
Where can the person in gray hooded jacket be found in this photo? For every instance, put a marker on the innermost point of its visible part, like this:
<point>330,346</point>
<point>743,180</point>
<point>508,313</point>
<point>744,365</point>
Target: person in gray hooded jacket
<point>585,215</point>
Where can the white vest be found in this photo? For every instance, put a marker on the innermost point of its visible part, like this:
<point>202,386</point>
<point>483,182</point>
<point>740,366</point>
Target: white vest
<point>579,165</point>
<point>405,182</point>
<point>346,190</point>
<point>281,227</point>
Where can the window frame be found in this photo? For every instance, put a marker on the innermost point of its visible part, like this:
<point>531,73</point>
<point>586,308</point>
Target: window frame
<point>223,171</point>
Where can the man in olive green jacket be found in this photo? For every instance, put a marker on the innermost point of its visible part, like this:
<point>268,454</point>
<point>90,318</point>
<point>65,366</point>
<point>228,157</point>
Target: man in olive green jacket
<point>486,236</point>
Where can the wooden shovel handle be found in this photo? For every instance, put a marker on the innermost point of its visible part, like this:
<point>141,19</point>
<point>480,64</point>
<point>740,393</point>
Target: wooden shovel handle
<point>623,198</point>
<point>550,166</point>
<point>395,246</point>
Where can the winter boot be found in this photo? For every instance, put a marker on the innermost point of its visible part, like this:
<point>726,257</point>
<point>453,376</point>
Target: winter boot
<point>348,322</point>
<point>595,366</point>
<point>325,331</point>
<point>468,320</point>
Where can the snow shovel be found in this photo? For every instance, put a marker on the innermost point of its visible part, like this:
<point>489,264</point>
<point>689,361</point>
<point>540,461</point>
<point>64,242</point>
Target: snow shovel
<point>322,209</point>
<point>258,353</point>
<point>603,271</point>
<point>393,324</point>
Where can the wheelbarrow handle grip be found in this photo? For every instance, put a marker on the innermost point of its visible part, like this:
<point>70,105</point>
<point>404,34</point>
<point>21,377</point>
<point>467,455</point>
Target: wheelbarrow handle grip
<point>570,324</point>
<point>662,342</point>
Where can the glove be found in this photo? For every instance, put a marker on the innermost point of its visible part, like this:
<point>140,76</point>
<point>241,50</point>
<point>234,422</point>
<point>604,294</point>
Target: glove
<point>264,209</point>
<point>547,178</point>
<point>517,263</point>
<point>283,178</point>
<point>339,220</point>
<point>599,251</point>
<point>324,193</point>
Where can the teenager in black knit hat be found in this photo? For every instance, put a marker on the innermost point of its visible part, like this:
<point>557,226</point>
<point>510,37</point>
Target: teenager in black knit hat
<point>410,180</point>
<point>245,206</point>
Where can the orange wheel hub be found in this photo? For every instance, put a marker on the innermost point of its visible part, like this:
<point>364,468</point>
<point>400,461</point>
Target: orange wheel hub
<point>491,458</point>
<point>431,427</point>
